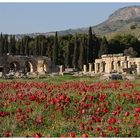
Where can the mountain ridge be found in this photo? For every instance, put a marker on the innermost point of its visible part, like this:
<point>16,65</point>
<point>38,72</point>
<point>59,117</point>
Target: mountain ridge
<point>118,20</point>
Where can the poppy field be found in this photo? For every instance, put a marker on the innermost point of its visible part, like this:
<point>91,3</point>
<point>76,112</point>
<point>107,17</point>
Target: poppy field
<point>69,108</point>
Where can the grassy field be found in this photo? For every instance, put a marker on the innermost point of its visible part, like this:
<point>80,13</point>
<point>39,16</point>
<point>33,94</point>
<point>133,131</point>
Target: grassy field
<point>67,106</point>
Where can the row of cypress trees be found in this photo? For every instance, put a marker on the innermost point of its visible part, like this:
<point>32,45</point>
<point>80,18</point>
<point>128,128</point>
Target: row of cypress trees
<point>68,50</point>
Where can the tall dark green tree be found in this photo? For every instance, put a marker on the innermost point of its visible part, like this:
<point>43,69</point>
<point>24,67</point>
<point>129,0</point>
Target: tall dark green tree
<point>36,51</point>
<point>103,47</point>
<point>68,56</point>
<point>82,57</point>
<point>26,39</point>
<point>18,47</point>
<point>55,49</point>
<point>1,45</point>
<point>5,45</point>
<point>76,53</point>
<point>90,47</point>
<point>12,45</point>
<point>22,47</point>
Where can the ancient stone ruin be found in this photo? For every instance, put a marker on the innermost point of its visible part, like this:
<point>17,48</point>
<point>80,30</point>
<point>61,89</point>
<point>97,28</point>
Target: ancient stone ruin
<point>117,63</point>
<point>19,65</point>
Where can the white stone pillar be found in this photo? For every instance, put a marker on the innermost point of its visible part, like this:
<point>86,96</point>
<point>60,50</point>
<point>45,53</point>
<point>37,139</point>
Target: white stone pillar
<point>101,67</point>
<point>122,64</point>
<point>138,68</point>
<point>90,67</point>
<point>106,68</point>
<point>95,67</point>
<point>115,66</point>
<point>125,64</point>
<point>129,64</point>
<point>61,70</point>
<point>109,67</point>
<point>85,68</point>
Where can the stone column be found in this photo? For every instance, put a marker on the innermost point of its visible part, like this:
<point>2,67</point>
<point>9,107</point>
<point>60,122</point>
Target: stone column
<point>61,70</point>
<point>122,66</point>
<point>138,68</point>
<point>106,67</point>
<point>95,67</point>
<point>85,68</point>
<point>109,67</point>
<point>115,66</point>
<point>125,64</point>
<point>129,65</point>
<point>90,67</point>
<point>101,67</point>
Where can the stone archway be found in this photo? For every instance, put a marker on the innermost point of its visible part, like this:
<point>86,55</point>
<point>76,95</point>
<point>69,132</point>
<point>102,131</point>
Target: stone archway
<point>103,63</point>
<point>14,66</point>
<point>112,65</point>
<point>28,66</point>
<point>45,67</point>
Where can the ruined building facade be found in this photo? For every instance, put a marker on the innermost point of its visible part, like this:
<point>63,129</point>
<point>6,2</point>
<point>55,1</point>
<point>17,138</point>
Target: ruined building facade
<point>26,64</point>
<point>116,63</point>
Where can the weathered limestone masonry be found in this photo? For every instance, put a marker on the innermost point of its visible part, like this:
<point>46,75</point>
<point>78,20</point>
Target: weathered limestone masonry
<point>90,67</point>
<point>24,64</point>
<point>61,70</point>
<point>115,63</point>
<point>85,68</point>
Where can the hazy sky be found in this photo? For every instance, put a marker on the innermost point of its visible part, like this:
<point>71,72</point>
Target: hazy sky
<point>44,17</point>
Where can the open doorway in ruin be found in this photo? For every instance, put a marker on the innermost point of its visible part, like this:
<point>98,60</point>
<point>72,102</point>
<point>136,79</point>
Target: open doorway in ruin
<point>103,66</point>
<point>45,67</point>
<point>112,65</point>
<point>14,66</point>
<point>1,69</point>
<point>28,67</point>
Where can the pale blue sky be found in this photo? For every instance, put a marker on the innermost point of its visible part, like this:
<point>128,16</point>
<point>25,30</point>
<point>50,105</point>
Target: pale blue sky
<point>44,17</point>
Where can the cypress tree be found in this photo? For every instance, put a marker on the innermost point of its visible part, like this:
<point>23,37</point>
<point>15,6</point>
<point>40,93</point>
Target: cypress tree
<point>76,53</point>
<point>10,45</point>
<point>1,45</point>
<point>42,46</point>
<point>90,47</point>
<point>22,47</point>
<point>103,47</point>
<point>55,49</point>
<point>5,44</point>
<point>67,61</point>
<point>82,57</point>
<point>36,46</point>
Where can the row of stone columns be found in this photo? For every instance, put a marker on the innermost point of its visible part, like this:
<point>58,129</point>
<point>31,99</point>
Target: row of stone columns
<point>108,66</point>
<point>85,68</point>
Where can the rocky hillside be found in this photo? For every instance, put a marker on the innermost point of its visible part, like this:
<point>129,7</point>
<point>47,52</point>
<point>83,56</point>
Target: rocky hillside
<point>124,20</point>
<point>126,13</point>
